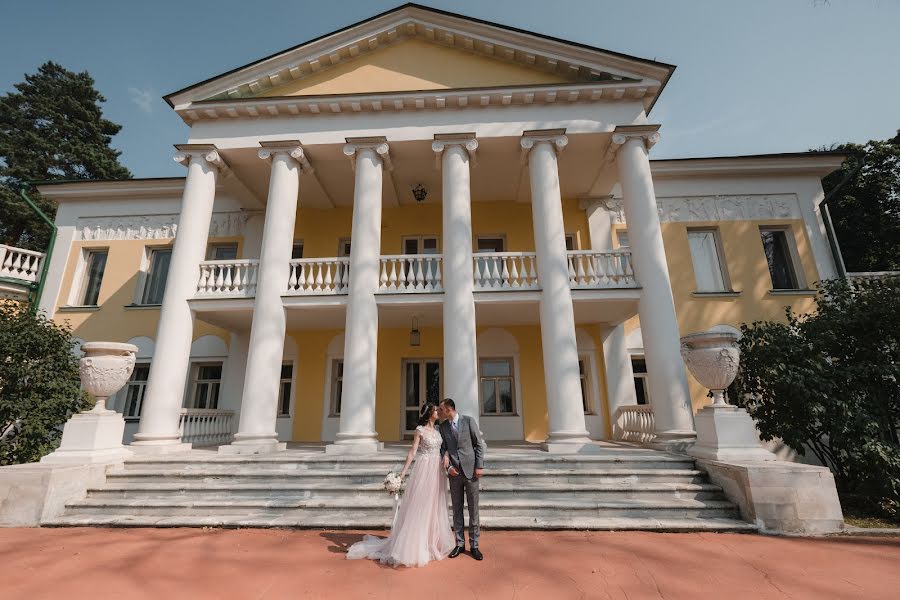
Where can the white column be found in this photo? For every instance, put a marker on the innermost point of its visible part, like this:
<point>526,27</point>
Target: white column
<point>561,375</point>
<point>259,401</point>
<point>158,430</point>
<point>357,427</point>
<point>460,350</point>
<point>619,374</point>
<point>669,394</point>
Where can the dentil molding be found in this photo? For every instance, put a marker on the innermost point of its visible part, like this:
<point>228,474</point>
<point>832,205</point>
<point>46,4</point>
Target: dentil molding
<point>747,207</point>
<point>155,227</point>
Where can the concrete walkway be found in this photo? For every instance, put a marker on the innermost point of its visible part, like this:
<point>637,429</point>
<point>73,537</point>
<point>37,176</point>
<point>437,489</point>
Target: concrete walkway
<point>268,564</point>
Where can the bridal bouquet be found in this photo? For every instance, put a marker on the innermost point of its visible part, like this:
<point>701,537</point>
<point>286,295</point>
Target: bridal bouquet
<point>393,484</point>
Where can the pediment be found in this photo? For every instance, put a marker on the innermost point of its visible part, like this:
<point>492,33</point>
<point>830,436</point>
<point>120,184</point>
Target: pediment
<point>414,48</point>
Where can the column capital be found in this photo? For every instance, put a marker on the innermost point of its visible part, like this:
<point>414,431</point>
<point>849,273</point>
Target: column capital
<point>442,141</point>
<point>555,137</point>
<point>378,144</point>
<point>206,152</point>
<point>621,134</point>
<point>290,148</point>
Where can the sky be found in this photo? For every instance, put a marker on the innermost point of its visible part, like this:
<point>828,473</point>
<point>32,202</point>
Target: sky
<point>753,76</point>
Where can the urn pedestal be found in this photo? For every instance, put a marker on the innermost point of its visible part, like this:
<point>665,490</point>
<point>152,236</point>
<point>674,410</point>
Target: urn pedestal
<point>95,436</point>
<point>724,432</point>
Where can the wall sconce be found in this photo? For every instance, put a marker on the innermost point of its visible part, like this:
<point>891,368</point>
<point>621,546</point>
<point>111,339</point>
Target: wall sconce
<point>415,337</point>
<point>419,192</point>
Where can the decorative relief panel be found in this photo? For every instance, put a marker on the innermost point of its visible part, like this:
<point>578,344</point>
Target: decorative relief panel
<point>155,227</point>
<point>719,208</point>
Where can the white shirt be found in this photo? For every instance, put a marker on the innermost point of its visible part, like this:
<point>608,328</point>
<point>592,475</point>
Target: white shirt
<point>455,420</point>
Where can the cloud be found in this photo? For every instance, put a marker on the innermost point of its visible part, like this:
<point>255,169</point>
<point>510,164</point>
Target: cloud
<point>143,98</point>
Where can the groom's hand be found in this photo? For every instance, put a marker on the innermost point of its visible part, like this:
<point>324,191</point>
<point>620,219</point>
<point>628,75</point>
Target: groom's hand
<point>453,472</point>
<point>479,473</point>
<point>446,461</point>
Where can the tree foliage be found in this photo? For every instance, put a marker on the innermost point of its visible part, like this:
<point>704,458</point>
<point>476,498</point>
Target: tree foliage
<point>51,128</point>
<point>39,384</point>
<point>866,210</point>
<point>829,383</point>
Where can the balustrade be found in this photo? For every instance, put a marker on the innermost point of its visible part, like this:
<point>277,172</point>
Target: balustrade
<point>319,276</point>
<point>206,426</point>
<point>410,273</point>
<point>18,263</point>
<point>589,269</point>
<point>228,278</point>
<point>634,423</point>
<point>505,270</point>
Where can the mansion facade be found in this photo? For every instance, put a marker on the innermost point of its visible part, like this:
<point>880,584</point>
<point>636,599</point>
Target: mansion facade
<point>420,206</point>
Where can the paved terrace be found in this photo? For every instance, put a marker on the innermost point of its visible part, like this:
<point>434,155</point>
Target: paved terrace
<point>270,564</point>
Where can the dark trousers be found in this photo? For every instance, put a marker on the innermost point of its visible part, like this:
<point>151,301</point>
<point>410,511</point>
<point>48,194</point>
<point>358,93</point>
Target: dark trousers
<point>464,489</point>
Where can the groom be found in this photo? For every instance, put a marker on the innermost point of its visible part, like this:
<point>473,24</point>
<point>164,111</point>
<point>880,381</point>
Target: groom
<point>463,455</point>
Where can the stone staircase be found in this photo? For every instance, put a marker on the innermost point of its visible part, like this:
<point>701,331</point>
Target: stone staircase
<point>618,487</point>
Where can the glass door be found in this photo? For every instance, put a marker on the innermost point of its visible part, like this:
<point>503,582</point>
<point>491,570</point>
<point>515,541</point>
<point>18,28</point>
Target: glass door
<point>421,384</point>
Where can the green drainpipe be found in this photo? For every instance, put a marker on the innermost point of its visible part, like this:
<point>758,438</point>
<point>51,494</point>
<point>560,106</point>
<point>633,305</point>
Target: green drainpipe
<point>45,265</point>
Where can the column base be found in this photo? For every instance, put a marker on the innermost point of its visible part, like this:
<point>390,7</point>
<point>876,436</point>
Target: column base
<point>153,449</point>
<point>673,441</point>
<point>91,438</point>
<point>354,447</point>
<point>727,433</point>
<point>253,447</point>
<point>568,442</point>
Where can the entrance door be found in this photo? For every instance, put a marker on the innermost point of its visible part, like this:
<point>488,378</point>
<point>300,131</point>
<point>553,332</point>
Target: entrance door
<point>421,384</point>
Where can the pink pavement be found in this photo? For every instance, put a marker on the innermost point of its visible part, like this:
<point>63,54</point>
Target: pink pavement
<point>274,564</point>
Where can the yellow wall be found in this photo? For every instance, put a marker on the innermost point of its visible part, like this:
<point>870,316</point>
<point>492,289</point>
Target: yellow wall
<point>413,65</point>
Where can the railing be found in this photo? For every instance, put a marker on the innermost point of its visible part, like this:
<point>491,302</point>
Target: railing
<point>224,278</point>
<point>206,426</point>
<point>319,276</point>
<point>634,423</point>
<point>589,269</point>
<point>18,263</point>
<point>410,274</point>
<point>505,270</point>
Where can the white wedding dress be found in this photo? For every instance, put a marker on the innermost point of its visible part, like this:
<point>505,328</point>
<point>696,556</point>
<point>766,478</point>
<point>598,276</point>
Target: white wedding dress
<point>421,532</point>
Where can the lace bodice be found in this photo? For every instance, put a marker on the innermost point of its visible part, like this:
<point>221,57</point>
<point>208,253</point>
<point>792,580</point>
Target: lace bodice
<point>430,442</point>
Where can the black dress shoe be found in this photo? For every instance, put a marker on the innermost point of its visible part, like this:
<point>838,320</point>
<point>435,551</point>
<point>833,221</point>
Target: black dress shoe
<point>476,554</point>
<point>455,552</point>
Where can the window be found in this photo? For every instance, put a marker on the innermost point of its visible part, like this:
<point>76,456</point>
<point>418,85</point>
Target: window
<point>284,390</point>
<point>622,238</point>
<point>706,254</point>
<point>158,272</point>
<point>297,249</point>
<point>95,265</point>
<point>490,243</point>
<point>337,386</point>
<point>571,242</point>
<point>585,385</point>
<point>779,256</point>
<point>497,386</point>
<point>420,244</point>
<point>344,247</point>
<point>207,379</point>
<point>134,391</point>
<point>641,387</point>
<point>222,251</point>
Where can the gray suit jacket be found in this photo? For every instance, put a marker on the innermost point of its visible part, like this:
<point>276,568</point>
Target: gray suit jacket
<point>468,454</point>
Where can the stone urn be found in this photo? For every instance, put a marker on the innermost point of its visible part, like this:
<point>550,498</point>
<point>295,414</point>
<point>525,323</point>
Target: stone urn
<point>104,369</point>
<point>712,357</point>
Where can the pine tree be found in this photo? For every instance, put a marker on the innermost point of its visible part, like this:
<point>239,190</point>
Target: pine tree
<point>51,128</point>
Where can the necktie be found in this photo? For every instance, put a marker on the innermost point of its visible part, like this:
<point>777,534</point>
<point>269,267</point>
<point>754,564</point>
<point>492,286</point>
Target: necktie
<point>455,431</point>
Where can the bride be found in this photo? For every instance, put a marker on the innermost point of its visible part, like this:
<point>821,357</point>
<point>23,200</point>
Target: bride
<point>421,531</point>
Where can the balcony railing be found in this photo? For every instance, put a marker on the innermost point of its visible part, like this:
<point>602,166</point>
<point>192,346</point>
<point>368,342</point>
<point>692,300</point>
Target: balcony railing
<point>206,426</point>
<point>410,274</point>
<point>228,278</point>
<point>18,263</point>
<point>589,269</point>
<point>634,423</point>
<point>311,276</point>
<point>505,270</point>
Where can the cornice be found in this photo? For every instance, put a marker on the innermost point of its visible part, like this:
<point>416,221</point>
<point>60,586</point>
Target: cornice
<point>813,163</point>
<point>93,190</point>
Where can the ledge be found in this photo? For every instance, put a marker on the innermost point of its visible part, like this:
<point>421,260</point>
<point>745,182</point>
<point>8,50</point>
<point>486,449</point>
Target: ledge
<point>142,306</point>
<point>800,292</point>
<point>77,309</point>
<point>731,294</point>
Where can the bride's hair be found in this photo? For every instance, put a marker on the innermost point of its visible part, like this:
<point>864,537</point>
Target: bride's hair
<point>425,413</point>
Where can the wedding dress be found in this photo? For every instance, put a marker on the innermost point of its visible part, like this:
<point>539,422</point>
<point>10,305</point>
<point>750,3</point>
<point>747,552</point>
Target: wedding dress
<point>421,530</point>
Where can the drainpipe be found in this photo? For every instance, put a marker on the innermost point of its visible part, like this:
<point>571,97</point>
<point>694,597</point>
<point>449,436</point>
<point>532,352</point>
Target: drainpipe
<point>45,265</point>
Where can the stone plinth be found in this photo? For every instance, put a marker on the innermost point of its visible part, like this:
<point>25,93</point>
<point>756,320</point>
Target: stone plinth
<point>727,432</point>
<point>91,437</point>
<point>35,492</point>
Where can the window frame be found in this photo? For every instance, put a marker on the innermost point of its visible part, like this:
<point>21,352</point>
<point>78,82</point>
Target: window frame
<point>576,242</point>
<point>490,236</point>
<point>122,396</point>
<point>195,380</point>
<point>336,376</point>
<point>420,243</point>
<point>793,257</point>
<point>622,233</point>
<point>211,249</point>
<point>585,377</point>
<point>291,387</point>
<point>720,259</point>
<point>297,243</point>
<point>147,273</point>
<point>345,245</point>
<point>510,360</point>
<point>644,377</point>
<point>84,275</point>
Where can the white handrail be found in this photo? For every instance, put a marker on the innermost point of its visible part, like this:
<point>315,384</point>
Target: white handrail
<point>18,263</point>
<point>206,426</point>
<point>590,269</point>
<point>308,276</point>
<point>228,278</point>
<point>410,274</point>
<point>634,423</point>
<point>505,270</point>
